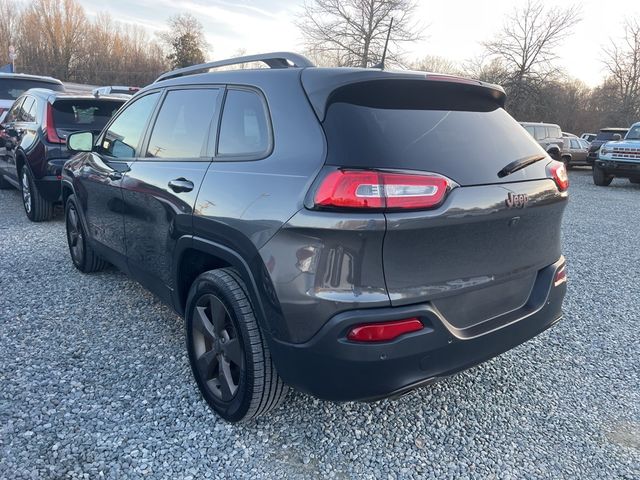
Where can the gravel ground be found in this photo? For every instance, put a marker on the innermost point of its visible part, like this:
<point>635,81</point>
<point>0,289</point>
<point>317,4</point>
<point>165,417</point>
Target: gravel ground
<point>95,381</point>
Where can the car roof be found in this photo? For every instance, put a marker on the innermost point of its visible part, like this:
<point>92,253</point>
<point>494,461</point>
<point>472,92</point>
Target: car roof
<point>25,76</point>
<point>614,129</point>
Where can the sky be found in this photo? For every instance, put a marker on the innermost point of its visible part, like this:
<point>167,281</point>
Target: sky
<point>454,29</point>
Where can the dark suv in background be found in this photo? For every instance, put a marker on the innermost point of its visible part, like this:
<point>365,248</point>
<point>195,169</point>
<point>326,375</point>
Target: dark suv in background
<point>34,136</point>
<point>327,229</point>
<point>604,135</point>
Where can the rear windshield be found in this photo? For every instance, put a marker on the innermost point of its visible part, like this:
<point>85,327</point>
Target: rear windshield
<point>606,136</point>
<point>12,88</point>
<point>84,114</point>
<point>454,143</point>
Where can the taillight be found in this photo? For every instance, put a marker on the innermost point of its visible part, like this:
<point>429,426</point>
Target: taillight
<point>558,172</point>
<point>49,127</point>
<point>367,189</point>
<point>384,331</point>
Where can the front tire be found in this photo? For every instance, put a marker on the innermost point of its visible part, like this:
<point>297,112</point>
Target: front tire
<point>36,207</point>
<point>600,178</point>
<point>83,256</point>
<point>227,350</point>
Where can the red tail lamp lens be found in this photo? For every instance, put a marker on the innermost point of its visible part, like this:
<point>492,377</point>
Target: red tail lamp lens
<point>50,128</point>
<point>379,190</point>
<point>384,331</point>
<point>559,174</point>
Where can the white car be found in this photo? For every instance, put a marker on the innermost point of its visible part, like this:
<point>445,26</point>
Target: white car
<point>619,158</point>
<point>115,90</point>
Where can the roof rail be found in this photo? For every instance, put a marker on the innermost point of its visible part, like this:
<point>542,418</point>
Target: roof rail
<point>273,60</point>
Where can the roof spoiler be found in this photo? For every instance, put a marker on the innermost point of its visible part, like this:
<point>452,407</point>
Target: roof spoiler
<point>272,60</point>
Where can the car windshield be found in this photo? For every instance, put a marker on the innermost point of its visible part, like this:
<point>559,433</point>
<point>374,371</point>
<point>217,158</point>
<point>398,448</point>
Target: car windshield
<point>634,133</point>
<point>12,88</point>
<point>606,136</point>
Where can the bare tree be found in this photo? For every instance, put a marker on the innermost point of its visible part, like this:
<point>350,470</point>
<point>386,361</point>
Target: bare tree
<point>436,64</point>
<point>353,32</point>
<point>185,40</point>
<point>526,48</point>
<point>622,63</point>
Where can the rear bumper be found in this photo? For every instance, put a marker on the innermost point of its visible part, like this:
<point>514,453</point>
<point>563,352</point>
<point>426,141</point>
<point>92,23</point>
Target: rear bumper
<point>620,168</point>
<point>331,367</point>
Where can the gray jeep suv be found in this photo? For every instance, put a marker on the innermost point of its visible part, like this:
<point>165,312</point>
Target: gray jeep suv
<point>327,229</point>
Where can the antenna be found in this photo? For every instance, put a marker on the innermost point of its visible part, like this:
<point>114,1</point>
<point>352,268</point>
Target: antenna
<point>386,44</point>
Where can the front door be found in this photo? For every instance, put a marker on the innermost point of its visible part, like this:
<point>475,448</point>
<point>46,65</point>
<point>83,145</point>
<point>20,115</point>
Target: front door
<point>99,179</point>
<point>161,187</point>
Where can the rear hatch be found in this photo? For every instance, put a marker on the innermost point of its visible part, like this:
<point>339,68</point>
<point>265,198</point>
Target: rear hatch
<point>82,114</point>
<point>478,255</point>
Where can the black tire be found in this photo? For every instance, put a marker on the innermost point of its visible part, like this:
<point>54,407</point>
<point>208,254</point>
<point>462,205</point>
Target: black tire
<point>555,155</point>
<point>600,178</point>
<point>4,185</point>
<point>36,207</point>
<point>83,256</point>
<point>567,162</point>
<point>227,350</point>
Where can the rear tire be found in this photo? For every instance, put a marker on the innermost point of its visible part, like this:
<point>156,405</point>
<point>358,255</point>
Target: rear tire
<point>83,256</point>
<point>229,356</point>
<point>36,207</point>
<point>600,178</point>
<point>567,162</point>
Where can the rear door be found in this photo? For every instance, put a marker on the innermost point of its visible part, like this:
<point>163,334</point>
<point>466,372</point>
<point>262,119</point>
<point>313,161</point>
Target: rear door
<point>161,186</point>
<point>478,254</point>
<point>22,132</point>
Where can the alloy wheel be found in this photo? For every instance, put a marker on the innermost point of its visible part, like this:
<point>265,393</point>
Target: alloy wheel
<point>218,351</point>
<point>26,191</point>
<point>74,235</point>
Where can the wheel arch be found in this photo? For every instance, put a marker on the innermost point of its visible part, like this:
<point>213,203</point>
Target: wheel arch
<point>195,255</point>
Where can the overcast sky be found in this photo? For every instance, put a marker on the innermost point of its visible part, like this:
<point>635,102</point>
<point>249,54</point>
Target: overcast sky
<point>454,29</point>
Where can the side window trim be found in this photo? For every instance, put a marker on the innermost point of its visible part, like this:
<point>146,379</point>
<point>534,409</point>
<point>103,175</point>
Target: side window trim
<point>205,156</point>
<point>267,111</point>
<point>145,129</point>
<point>17,105</point>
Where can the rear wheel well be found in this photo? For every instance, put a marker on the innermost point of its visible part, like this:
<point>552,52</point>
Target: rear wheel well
<point>192,264</point>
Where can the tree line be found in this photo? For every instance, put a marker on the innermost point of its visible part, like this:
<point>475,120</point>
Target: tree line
<point>57,38</point>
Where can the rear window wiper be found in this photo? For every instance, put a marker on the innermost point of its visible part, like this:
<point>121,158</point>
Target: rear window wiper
<point>520,164</point>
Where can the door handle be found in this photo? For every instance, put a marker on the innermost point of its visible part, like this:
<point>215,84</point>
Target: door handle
<point>115,175</point>
<point>181,184</point>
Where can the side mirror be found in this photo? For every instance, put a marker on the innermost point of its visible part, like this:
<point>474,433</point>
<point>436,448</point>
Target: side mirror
<point>616,137</point>
<point>80,142</point>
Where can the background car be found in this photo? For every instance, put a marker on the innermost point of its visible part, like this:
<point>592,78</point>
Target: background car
<point>12,85</point>
<point>574,151</point>
<point>604,135</point>
<point>548,136</point>
<point>567,134</point>
<point>619,159</point>
<point>34,133</point>
<point>115,90</point>
<point>589,137</point>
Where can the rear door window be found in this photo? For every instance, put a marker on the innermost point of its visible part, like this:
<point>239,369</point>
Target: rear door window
<point>531,131</point>
<point>541,133</point>
<point>15,109</point>
<point>123,136</point>
<point>575,144</point>
<point>244,127</point>
<point>553,132</point>
<point>184,124</point>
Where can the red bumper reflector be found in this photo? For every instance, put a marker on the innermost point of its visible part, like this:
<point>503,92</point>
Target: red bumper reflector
<point>561,276</point>
<point>384,331</point>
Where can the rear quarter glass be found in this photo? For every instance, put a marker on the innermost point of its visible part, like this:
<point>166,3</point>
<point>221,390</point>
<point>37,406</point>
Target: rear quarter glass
<point>469,147</point>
